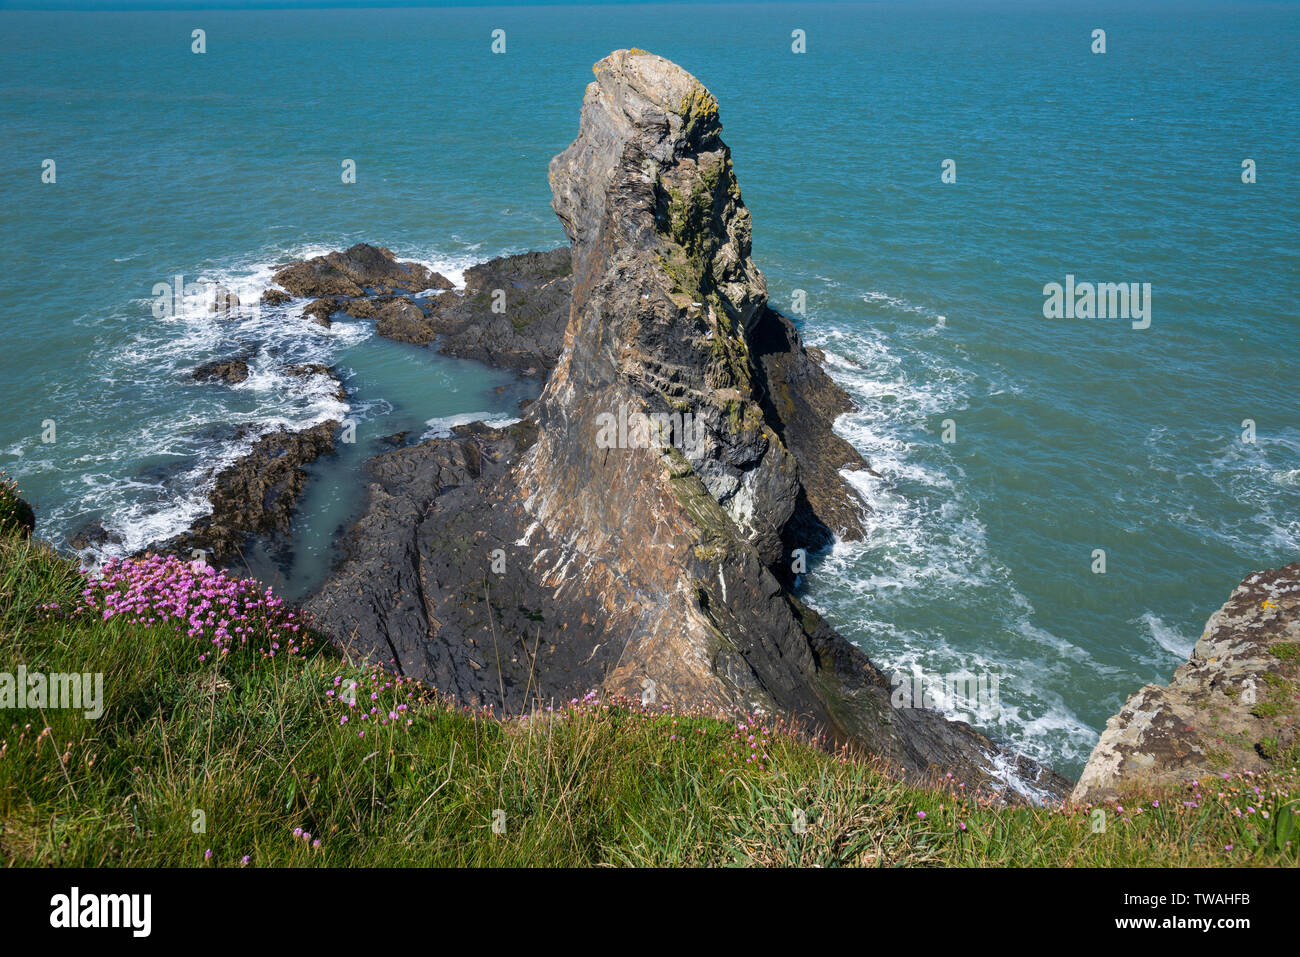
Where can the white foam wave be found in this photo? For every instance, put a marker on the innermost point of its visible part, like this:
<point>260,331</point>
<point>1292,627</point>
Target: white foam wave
<point>149,480</point>
<point>925,545</point>
<point>440,428</point>
<point>1166,636</point>
<point>886,301</point>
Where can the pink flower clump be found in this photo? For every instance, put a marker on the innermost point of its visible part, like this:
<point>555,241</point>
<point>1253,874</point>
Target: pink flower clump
<point>204,603</point>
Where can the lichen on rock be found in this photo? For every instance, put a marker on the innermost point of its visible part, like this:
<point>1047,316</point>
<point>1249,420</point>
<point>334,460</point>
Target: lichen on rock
<point>1232,706</point>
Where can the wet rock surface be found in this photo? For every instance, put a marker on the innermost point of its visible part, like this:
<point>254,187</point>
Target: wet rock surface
<point>305,370</point>
<point>516,566</point>
<point>1232,706</point>
<point>256,494</point>
<point>230,371</point>
<point>93,534</point>
<point>319,311</point>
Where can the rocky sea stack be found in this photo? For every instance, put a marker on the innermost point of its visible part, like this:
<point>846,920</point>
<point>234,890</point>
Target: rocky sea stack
<point>637,532</point>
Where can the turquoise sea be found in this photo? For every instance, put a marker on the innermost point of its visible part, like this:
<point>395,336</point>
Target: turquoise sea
<point>1070,434</point>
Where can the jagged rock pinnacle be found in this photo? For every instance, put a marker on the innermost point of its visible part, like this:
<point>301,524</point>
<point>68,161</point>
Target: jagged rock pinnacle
<point>566,554</point>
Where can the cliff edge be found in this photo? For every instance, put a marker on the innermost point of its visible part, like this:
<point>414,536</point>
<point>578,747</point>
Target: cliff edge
<point>1232,706</point>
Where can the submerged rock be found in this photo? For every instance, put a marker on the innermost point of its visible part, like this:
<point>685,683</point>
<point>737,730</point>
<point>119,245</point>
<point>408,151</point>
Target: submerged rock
<point>304,370</point>
<point>1233,706</point>
<point>92,534</point>
<point>590,547</point>
<point>223,301</point>
<point>230,371</point>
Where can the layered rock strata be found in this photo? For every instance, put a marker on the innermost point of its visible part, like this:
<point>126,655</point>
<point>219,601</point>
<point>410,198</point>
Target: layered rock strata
<point>637,531</point>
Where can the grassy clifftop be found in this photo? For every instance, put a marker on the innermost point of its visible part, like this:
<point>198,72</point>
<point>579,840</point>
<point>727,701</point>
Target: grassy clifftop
<point>231,736</point>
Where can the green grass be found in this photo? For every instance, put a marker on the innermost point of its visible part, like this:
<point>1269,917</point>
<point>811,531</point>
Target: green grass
<point>255,745</point>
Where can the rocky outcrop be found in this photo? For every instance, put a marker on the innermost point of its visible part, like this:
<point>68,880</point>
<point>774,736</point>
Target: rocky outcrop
<point>402,320</point>
<point>319,311</point>
<point>634,532</point>
<point>229,371</point>
<point>802,403</point>
<point>256,494</point>
<point>360,270</point>
<point>512,313</point>
<point>1232,706</point>
<point>362,308</point>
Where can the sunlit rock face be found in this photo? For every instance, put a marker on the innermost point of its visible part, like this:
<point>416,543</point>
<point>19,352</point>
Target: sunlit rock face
<point>1231,707</point>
